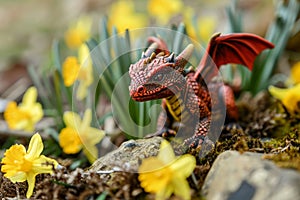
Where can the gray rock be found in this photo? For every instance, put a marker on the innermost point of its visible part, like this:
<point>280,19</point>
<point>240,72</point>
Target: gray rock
<point>247,176</point>
<point>129,155</point>
<point>3,104</point>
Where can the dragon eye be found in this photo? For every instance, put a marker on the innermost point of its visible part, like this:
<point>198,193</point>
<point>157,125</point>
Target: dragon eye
<point>158,77</point>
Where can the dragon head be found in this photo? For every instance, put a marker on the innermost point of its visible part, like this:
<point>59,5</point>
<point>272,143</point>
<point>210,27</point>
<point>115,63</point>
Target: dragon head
<point>158,74</point>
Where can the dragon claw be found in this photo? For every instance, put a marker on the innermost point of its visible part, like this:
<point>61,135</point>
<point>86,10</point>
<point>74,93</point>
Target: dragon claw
<point>202,144</point>
<point>164,132</point>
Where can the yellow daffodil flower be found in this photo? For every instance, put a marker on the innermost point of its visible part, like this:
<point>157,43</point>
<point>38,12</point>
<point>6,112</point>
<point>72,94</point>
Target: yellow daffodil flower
<point>70,70</point>
<point>79,32</point>
<point>85,74</point>
<point>123,16</point>
<point>164,10</point>
<point>166,174</point>
<point>79,135</point>
<point>26,114</point>
<point>290,97</point>
<point>295,73</point>
<point>204,27</point>
<point>80,69</point>
<point>19,165</point>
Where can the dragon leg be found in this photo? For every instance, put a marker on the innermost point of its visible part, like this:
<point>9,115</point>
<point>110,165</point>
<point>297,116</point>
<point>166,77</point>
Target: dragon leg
<point>200,137</point>
<point>165,127</point>
<point>232,110</point>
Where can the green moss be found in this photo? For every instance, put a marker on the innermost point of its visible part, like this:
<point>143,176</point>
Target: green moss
<point>285,151</point>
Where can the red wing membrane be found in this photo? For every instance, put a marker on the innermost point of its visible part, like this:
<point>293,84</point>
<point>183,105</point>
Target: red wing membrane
<point>238,48</point>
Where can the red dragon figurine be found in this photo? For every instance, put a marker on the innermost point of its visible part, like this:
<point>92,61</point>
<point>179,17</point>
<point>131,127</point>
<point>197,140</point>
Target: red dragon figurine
<point>186,96</point>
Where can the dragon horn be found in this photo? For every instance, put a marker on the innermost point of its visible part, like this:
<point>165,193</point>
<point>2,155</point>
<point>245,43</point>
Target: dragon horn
<point>184,56</point>
<point>152,48</point>
<point>171,58</point>
<point>162,46</point>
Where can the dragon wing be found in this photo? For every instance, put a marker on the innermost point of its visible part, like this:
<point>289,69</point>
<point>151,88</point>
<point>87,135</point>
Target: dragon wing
<point>238,48</point>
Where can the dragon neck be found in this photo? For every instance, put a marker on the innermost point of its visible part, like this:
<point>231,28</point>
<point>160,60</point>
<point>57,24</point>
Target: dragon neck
<point>176,102</point>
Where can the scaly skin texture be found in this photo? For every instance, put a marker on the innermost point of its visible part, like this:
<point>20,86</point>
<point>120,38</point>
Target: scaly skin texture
<point>186,96</point>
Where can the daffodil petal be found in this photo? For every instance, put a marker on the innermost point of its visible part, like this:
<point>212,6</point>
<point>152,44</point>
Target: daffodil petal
<point>81,91</point>
<point>297,87</point>
<point>154,174</point>
<point>292,99</point>
<point>38,112</point>
<point>24,125</point>
<point>123,16</point>
<point>150,183</point>
<point>84,55</point>
<point>206,26</point>
<point>93,135</point>
<point>35,147</point>
<point>73,139</point>
<point>70,70</point>
<point>30,96</point>
<point>84,24</point>
<point>79,32</point>
<point>44,165</point>
<point>91,153</point>
<point>181,188</point>
<point>164,193</point>
<point>295,73</point>
<point>72,120</point>
<point>151,164</point>
<point>17,118</point>
<point>184,165</point>
<point>278,93</point>
<point>17,177</point>
<point>34,113</point>
<point>31,183</point>
<point>87,119</point>
<point>166,153</point>
<point>164,10</point>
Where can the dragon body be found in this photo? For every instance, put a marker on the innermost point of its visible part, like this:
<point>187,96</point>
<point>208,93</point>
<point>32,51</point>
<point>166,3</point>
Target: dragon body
<point>186,94</point>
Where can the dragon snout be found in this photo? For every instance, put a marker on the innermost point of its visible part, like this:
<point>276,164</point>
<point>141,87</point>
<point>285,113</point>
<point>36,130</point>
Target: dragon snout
<point>141,89</point>
<point>138,91</point>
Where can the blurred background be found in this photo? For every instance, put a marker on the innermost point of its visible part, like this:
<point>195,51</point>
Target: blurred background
<point>29,27</point>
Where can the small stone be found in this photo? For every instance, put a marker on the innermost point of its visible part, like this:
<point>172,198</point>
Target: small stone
<point>3,103</point>
<point>247,176</point>
<point>129,155</point>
